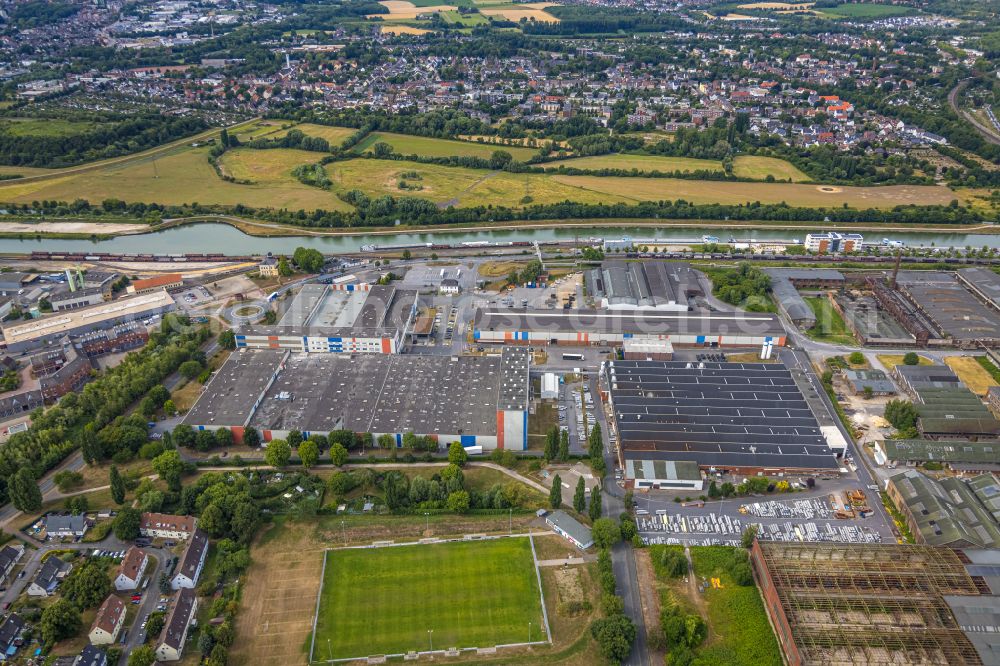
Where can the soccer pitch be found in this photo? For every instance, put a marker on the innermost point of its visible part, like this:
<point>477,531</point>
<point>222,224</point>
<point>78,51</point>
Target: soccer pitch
<point>399,599</point>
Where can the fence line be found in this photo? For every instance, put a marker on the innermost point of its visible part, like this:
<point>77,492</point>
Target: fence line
<point>319,598</point>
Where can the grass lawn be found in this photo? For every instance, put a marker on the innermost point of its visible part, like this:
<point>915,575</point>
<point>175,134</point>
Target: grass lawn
<point>971,373</point>
<point>759,168</point>
<point>470,594</point>
<point>830,326</point>
<point>424,146</point>
<point>546,415</point>
<point>644,163</point>
<point>335,135</point>
<point>890,361</point>
<point>740,634</point>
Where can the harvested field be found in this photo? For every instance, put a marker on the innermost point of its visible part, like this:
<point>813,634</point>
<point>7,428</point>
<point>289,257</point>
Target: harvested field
<point>638,162</point>
<point>759,168</point>
<point>401,9</point>
<point>703,192</point>
<point>403,30</point>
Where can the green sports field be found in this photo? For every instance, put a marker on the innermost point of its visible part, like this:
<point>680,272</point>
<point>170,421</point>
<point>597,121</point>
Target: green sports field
<point>387,600</point>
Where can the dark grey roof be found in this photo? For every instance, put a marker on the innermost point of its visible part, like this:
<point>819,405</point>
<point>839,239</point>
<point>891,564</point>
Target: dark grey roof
<point>955,311</point>
<point>721,415</point>
<point>49,572</point>
<point>235,388</point>
<point>11,630</point>
<point>193,554</point>
<point>979,618</point>
<point>643,284</point>
<point>571,526</point>
<point>92,656</point>
<point>178,619</point>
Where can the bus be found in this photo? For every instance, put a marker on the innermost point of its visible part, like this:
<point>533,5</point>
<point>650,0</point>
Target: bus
<point>572,357</point>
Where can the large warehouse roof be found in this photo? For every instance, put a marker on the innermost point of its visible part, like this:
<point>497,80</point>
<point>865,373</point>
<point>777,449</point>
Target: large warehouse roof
<point>647,284</point>
<point>364,393</point>
<point>635,322</point>
<point>319,309</point>
<point>955,311</point>
<point>68,321</point>
<point>715,414</point>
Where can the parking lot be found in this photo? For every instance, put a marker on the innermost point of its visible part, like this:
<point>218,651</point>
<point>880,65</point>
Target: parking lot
<point>720,529</point>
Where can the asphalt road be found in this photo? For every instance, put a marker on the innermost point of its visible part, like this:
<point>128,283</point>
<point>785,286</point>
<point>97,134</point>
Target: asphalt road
<point>622,555</point>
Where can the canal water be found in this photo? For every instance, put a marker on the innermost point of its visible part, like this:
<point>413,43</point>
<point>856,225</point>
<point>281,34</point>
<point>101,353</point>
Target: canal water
<point>218,237</point>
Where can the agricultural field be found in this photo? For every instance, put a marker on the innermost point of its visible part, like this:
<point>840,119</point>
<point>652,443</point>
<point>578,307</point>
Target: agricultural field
<point>423,146</point>
<point>971,373</point>
<point>184,176</point>
<point>335,135</point>
<point>858,10</point>
<point>533,11</point>
<point>640,162</point>
<point>469,594</point>
<point>403,9</point>
<point>456,186</point>
<point>401,29</point>
<point>759,168</point>
<point>49,127</point>
<point>705,192</point>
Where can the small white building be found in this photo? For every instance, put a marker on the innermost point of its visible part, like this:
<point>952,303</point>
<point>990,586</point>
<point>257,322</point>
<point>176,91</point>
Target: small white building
<point>191,563</point>
<point>450,286</point>
<point>550,386</point>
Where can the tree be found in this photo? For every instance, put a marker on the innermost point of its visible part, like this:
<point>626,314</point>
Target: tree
<point>89,446</point>
<point>458,501</point>
<point>606,533</point>
<point>284,270</point>
<point>457,454</point>
<point>856,358</point>
<point>596,443</point>
<point>911,358</point>
<point>190,369</point>
<point>278,453</point>
<point>60,620</point>
<point>901,414</point>
<point>673,562</point>
<point>154,625</point>
<point>555,494</point>
<point>338,455</point>
<point>24,492</point>
<point>87,585</point>
<point>713,490</point>
<point>309,453</point>
<point>614,636</point>
<point>227,340</point>
<point>551,443</point>
<point>595,504</point>
<point>144,655</point>
<point>169,408</point>
<point>169,466</point>
<point>223,437</point>
<point>127,523</point>
<point>308,259</point>
<point>117,485</point>
<point>749,534</point>
<point>580,496</point>
<point>294,439</point>
<point>251,437</point>
<point>563,454</point>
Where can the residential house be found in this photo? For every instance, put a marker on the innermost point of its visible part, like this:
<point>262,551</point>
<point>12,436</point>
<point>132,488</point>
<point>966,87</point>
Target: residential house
<point>51,573</point>
<point>109,621</point>
<point>10,636</point>
<point>91,656</point>
<point>131,570</point>
<point>191,562</point>
<point>166,526</point>
<point>62,527</point>
<point>170,646</point>
<point>9,556</point>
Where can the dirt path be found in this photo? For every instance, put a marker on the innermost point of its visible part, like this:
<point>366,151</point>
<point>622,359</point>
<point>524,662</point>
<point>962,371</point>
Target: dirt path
<point>649,597</point>
<point>454,201</point>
